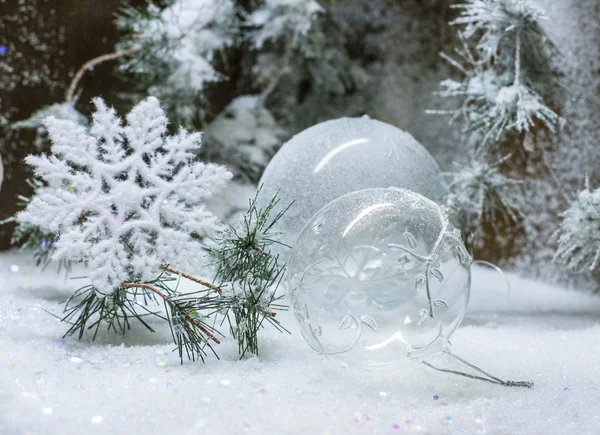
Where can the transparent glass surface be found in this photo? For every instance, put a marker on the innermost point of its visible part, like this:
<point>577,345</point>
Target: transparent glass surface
<point>340,156</point>
<point>379,278</point>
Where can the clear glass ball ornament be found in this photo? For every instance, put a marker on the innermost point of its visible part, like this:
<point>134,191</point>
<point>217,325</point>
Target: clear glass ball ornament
<point>379,279</point>
<point>340,156</point>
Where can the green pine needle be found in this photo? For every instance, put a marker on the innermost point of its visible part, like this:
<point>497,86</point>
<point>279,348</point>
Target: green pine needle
<point>250,274</point>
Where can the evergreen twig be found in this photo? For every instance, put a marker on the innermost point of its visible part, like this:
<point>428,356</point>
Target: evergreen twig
<point>250,274</point>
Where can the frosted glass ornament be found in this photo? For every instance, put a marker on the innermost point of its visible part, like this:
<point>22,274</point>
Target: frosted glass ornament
<point>379,278</point>
<point>340,156</point>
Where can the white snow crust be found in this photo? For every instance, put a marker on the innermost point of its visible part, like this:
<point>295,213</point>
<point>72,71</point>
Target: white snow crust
<point>134,384</point>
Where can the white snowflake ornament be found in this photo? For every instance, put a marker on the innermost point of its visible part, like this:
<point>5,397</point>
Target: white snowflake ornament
<point>124,199</point>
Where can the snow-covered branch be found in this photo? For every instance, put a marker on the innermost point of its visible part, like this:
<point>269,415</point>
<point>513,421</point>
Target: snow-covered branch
<point>579,233</point>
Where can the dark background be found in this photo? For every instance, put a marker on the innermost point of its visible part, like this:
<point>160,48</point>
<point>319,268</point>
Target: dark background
<point>47,41</point>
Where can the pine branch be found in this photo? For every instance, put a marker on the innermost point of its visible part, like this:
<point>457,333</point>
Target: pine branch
<point>88,309</point>
<point>505,84</point>
<point>192,278</point>
<point>250,275</point>
<point>172,304</point>
<point>579,233</point>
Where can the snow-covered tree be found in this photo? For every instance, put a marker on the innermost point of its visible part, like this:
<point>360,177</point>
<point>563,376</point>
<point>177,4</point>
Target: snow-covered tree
<point>505,76</point>
<point>506,89</point>
<point>177,49</point>
<point>182,48</point>
<point>124,199</point>
<point>200,56</point>
<point>282,19</point>
<point>579,233</point>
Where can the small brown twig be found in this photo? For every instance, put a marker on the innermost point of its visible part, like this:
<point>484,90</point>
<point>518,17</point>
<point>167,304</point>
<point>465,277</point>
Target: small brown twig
<point>192,278</point>
<point>90,63</point>
<point>265,253</point>
<point>168,301</point>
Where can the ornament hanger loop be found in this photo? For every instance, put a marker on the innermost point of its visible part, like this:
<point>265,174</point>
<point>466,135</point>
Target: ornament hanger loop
<point>488,377</point>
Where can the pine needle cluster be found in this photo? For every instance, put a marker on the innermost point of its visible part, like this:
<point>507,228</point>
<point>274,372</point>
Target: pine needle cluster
<point>250,275</point>
<point>90,310</point>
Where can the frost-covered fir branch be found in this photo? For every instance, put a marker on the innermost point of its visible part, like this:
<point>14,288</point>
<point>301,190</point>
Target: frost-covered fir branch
<point>579,233</point>
<point>31,238</point>
<point>124,199</point>
<point>250,275</point>
<point>480,194</point>
<point>200,55</point>
<point>181,49</point>
<point>246,135</point>
<point>276,20</point>
<point>498,22</point>
<point>177,49</point>
<point>505,78</point>
<point>65,110</point>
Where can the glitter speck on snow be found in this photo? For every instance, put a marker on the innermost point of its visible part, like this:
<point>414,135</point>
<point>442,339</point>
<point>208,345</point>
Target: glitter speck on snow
<point>14,268</point>
<point>97,419</point>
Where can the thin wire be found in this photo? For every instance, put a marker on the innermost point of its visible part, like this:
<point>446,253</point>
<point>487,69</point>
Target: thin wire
<point>474,367</point>
<point>497,269</point>
<point>490,378</point>
<point>455,372</point>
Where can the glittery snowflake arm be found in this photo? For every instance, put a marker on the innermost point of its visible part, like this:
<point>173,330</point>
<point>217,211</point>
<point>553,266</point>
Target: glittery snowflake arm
<point>124,198</point>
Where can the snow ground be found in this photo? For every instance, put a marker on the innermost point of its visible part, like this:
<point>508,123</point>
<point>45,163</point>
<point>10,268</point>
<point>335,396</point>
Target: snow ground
<point>135,385</point>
